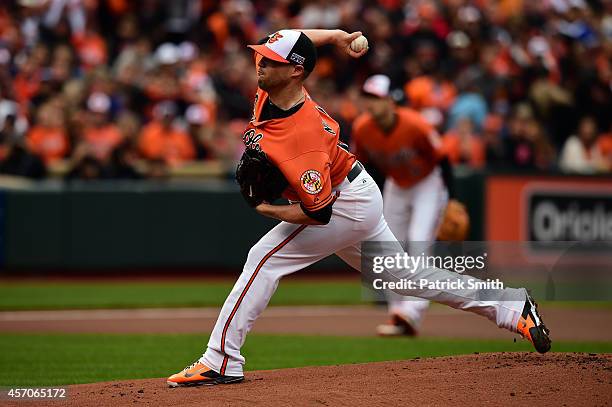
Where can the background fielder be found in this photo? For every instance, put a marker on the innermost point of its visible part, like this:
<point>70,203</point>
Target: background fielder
<point>400,143</point>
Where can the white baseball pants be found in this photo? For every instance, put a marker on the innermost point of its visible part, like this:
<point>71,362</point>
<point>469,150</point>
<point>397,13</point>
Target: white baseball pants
<point>357,216</point>
<point>413,215</point>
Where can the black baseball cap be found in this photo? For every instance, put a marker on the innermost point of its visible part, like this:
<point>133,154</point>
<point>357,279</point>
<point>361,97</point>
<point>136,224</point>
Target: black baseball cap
<point>290,47</point>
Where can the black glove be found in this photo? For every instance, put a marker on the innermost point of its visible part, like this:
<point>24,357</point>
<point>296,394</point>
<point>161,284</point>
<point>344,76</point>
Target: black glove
<point>259,180</point>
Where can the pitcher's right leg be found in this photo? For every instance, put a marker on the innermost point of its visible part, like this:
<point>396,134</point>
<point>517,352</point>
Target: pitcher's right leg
<point>509,308</point>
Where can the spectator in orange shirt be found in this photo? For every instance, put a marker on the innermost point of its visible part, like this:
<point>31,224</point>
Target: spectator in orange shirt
<point>161,140</point>
<point>100,135</point>
<point>430,92</point>
<point>48,138</point>
<point>463,146</point>
<point>605,146</point>
<point>91,49</point>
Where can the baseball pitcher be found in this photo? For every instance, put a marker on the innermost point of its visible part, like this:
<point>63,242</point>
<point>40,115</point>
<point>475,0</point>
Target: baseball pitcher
<point>334,206</point>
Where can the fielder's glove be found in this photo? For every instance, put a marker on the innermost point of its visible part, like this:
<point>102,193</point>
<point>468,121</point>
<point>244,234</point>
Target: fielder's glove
<point>456,222</point>
<point>259,180</point>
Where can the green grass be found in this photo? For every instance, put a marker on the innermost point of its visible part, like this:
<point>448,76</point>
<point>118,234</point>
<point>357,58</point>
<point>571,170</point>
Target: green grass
<point>198,293</point>
<point>65,295</point>
<point>56,359</point>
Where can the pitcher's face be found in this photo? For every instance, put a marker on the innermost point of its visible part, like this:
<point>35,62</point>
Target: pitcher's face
<point>272,74</point>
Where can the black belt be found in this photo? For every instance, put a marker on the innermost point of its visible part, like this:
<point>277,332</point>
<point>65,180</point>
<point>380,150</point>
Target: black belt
<point>354,172</point>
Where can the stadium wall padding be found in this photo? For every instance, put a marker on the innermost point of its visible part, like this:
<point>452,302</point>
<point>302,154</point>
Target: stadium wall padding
<point>104,225</point>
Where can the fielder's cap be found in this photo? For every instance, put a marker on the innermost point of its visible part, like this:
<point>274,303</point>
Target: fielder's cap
<point>290,47</point>
<point>377,85</point>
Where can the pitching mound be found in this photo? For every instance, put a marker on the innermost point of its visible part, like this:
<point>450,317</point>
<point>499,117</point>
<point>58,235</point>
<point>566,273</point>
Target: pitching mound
<point>482,379</point>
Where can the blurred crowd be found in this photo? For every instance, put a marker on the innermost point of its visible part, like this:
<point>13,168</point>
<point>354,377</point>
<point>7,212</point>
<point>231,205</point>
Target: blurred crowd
<point>136,88</point>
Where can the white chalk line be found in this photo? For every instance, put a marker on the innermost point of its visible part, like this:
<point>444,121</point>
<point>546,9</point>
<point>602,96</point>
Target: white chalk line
<point>182,313</point>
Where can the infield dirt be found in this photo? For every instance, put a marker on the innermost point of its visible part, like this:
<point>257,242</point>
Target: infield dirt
<point>497,379</point>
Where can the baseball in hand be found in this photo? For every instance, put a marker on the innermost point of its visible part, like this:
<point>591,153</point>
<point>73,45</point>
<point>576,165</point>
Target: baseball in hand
<point>360,43</point>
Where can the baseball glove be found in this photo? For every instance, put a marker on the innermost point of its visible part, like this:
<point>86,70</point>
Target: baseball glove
<point>455,223</point>
<point>259,180</point>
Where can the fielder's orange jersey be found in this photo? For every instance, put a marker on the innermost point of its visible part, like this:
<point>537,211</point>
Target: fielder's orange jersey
<point>306,149</point>
<point>406,153</point>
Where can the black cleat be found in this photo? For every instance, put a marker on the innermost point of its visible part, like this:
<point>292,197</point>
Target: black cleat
<point>531,326</point>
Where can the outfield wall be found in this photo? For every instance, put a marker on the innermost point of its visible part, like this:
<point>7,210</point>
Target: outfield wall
<point>132,224</point>
<point>202,224</point>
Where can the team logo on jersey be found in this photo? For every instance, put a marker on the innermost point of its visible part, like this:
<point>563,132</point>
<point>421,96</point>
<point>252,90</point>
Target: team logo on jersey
<point>251,140</point>
<point>312,181</point>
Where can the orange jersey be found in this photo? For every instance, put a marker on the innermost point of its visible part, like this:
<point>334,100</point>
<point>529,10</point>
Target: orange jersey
<point>406,153</point>
<point>470,151</point>
<point>172,145</point>
<point>49,143</point>
<point>305,148</point>
<point>424,92</point>
<point>605,145</point>
<point>102,140</point>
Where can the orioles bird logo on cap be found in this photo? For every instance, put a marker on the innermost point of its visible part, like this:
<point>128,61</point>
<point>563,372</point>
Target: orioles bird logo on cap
<point>274,37</point>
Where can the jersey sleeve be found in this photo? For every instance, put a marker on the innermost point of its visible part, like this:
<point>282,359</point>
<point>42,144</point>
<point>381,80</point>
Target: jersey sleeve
<point>309,176</point>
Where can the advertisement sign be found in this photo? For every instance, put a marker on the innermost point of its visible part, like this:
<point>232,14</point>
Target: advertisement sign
<point>581,215</point>
<point>548,209</point>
